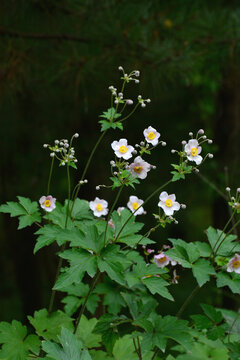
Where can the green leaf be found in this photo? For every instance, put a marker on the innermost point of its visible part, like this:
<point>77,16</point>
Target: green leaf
<point>203,248</point>
<point>49,326</point>
<point>26,210</point>
<point>202,269</point>
<point>110,114</point>
<point>48,234</point>
<point>156,285</point>
<point>112,297</point>
<point>201,322</point>
<point>177,176</point>
<point>124,349</point>
<point>184,253</point>
<point>224,279</point>
<point>212,313</point>
<point>81,260</point>
<point>85,332</point>
<point>72,348</point>
<point>131,227</point>
<point>58,216</point>
<point>16,345</point>
<point>80,210</point>
<point>105,125</point>
<point>168,327</point>
<point>105,327</point>
<point>220,245</point>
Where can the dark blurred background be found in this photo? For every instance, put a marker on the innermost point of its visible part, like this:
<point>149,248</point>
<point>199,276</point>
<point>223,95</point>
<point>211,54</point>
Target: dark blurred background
<point>57,59</point>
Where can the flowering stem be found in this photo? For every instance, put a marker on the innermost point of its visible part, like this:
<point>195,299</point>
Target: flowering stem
<point>228,233</point>
<point>110,212</point>
<point>136,349</point>
<point>87,166</point>
<point>126,117</point>
<point>187,301</point>
<point>50,175</point>
<point>94,281</point>
<point>149,198</point>
<point>224,229</point>
<point>63,246</point>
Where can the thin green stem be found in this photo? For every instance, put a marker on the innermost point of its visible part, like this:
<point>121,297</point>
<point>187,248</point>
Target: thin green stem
<point>126,117</point>
<point>52,298</point>
<point>223,231</point>
<point>86,167</point>
<point>139,348</point>
<point>145,202</point>
<point>155,353</point>
<point>50,175</point>
<point>111,210</point>
<point>145,235</point>
<point>94,281</point>
<point>135,346</point>
<point>187,301</point>
<point>228,233</point>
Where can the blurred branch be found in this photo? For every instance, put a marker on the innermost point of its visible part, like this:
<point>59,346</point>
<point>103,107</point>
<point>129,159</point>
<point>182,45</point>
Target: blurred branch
<point>60,37</point>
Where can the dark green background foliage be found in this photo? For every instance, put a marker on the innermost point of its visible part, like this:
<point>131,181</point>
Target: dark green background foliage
<point>57,59</point>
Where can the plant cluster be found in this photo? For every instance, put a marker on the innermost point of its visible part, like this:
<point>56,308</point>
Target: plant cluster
<point>110,275</point>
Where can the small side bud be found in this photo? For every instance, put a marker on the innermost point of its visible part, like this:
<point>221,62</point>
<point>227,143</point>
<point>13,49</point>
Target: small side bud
<point>228,189</point>
<point>201,131</point>
<point>52,154</point>
<point>210,156</point>
<point>164,143</point>
<point>76,135</point>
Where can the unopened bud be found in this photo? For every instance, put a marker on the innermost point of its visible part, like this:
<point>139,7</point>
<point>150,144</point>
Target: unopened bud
<point>201,131</point>
<point>164,143</point>
<point>210,156</point>
<point>76,135</point>
<point>228,188</point>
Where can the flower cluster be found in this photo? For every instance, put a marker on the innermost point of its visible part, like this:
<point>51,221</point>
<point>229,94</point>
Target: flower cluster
<point>234,200</point>
<point>63,151</point>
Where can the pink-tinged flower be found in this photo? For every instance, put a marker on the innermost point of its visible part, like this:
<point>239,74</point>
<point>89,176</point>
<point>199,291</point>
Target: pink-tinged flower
<point>111,224</point>
<point>134,204</point>
<point>99,207</point>
<point>168,203</point>
<point>162,260</point>
<point>139,168</point>
<point>234,264</point>
<point>193,150</point>
<point>122,149</point>
<point>47,203</point>
<point>151,135</point>
<point>150,251</point>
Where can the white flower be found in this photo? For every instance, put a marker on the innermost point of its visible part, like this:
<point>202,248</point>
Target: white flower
<point>122,149</point>
<point>47,203</point>
<point>193,150</point>
<point>134,204</point>
<point>234,264</point>
<point>168,203</point>
<point>139,168</point>
<point>151,135</point>
<point>120,209</point>
<point>99,207</point>
<point>162,260</point>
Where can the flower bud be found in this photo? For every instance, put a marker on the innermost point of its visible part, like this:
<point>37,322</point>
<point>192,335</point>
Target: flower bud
<point>164,143</point>
<point>210,156</point>
<point>228,188</point>
<point>52,154</point>
<point>201,131</point>
<point>76,135</point>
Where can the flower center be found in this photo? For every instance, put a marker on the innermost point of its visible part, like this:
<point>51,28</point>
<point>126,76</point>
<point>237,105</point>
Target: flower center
<point>162,259</point>
<point>148,276</point>
<point>151,135</point>
<point>137,169</point>
<point>168,202</point>
<point>99,207</point>
<point>135,205</point>
<point>123,149</point>
<point>47,203</point>
<point>194,151</point>
<point>236,264</point>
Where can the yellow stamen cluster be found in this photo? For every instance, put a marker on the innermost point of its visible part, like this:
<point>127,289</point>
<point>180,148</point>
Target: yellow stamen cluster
<point>99,207</point>
<point>47,203</point>
<point>123,149</point>
<point>151,135</point>
<point>162,259</point>
<point>236,264</point>
<point>194,151</point>
<point>135,205</point>
<point>137,169</point>
<point>168,203</point>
